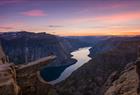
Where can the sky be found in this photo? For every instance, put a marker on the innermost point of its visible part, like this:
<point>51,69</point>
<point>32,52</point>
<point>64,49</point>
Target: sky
<point>71,17</point>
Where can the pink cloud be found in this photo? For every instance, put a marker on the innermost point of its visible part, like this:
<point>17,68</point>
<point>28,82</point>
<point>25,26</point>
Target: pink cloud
<point>34,13</point>
<point>121,4</point>
<point>6,28</point>
<point>128,16</point>
<point>114,18</point>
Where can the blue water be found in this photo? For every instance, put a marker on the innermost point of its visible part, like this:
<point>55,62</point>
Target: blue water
<point>55,75</point>
<point>52,73</point>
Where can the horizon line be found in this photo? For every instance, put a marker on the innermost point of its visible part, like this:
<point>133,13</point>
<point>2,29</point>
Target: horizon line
<point>127,35</point>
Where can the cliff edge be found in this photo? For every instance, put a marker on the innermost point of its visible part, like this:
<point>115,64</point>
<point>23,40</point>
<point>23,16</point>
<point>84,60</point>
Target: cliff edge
<point>128,81</point>
<point>24,79</point>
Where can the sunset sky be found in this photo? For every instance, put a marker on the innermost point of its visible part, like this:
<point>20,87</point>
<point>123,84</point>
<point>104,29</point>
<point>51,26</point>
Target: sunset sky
<point>71,17</point>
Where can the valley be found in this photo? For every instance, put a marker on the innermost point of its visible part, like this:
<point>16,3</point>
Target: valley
<point>69,47</point>
<point>76,70</point>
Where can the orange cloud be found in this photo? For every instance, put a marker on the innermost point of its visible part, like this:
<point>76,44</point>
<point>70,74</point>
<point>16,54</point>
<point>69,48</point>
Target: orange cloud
<point>5,28</point>
<point>131,33</point>
<point>34,13</point>
<point>11,26</point>
<point>125,31</point>
<point>128,16</point>
<point>100,33</point>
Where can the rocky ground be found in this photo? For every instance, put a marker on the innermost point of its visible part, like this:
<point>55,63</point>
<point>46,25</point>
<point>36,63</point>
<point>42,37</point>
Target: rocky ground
<point>127,82</point>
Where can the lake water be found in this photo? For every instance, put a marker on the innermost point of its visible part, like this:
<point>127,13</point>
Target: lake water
<point>81,55</point>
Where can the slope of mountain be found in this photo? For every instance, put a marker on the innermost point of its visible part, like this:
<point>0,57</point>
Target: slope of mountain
<point>77,43</point>
<point>24,47</point>
<point>90,39</point>
<point>113,42</point>
<point>91,77</point>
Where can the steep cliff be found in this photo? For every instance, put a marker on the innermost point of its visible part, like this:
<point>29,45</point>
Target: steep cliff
<point>127,82</point>
<point>24,47</point>
<point>8,83</point>
<point>29,79</point>
<point>24,79</point>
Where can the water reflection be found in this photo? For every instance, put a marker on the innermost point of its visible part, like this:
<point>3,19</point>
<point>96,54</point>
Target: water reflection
<point>81,56</point>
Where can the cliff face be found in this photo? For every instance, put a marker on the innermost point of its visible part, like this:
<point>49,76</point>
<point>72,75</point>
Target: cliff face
<point>23,47</point>
<point>127,82</point>
<point>24,79</point>
<point>29,79</point>
<point>8,84</point>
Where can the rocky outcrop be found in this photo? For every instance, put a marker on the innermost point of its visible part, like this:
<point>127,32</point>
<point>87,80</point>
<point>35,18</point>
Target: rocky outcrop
<point>28,77</point>
<point>24,79</point>
<point>8,84</point>
<point>127,82</point>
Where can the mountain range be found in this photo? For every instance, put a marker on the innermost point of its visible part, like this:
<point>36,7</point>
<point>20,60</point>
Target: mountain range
<point>113,70</point>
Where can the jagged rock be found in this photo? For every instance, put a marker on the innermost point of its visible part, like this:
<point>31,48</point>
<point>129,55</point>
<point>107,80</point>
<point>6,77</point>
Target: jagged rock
<point>126,84</point>
<point>128,81</point>
<point>8,84</point>
<point>24,79</point>
<point>30,81</point>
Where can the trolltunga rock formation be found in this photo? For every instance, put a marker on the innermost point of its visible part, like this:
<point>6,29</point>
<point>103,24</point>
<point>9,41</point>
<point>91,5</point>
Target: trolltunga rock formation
<point>24,79</point>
